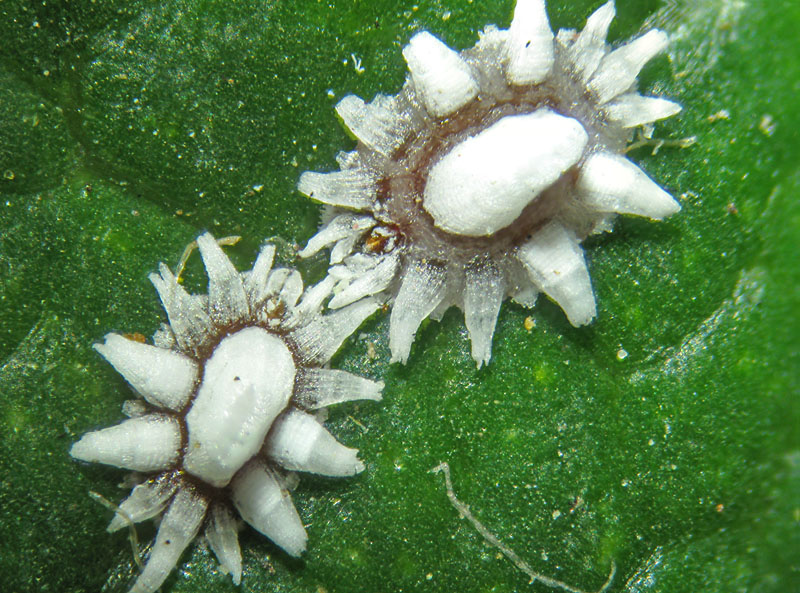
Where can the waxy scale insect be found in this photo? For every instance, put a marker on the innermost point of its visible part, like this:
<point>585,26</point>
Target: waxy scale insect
<point>480,179</point>
<point>227,410</point>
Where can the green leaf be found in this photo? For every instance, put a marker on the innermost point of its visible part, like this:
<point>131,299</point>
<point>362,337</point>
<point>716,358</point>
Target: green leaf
<point>663,437</point>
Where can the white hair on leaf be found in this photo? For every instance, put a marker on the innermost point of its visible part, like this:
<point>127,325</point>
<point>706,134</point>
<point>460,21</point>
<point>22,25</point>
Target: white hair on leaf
<point>486,165</point>
<point>253,352</point>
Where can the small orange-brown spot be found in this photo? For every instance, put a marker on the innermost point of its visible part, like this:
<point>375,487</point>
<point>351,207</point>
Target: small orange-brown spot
<point>372,353</point>
<point>276,309</point>
<point>382,239</point>
<point>135,337</point>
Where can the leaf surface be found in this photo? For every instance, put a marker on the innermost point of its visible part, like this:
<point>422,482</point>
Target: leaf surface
<point>663,437</point>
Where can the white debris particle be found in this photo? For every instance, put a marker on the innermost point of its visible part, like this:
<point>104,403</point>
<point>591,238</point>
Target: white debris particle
<point>721,114</point>
<point>622,354</point>
<point>767,124</point>
<point>357,64</point>
<point>556,514</point>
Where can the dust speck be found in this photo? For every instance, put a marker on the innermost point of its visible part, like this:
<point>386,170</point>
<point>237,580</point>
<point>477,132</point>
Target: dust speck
<point>767,124</point>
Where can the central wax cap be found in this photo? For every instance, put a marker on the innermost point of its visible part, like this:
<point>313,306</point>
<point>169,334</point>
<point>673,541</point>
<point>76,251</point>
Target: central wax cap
<point>484,183</point>
<point>247,382</point>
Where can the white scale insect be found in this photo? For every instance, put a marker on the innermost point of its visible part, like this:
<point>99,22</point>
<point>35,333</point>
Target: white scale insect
<point>480,179</point>
<point>228,393</point>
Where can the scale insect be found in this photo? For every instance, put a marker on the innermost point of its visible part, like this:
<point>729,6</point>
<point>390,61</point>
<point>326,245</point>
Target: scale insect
<point>227,412</point>
<point>479,180</point>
